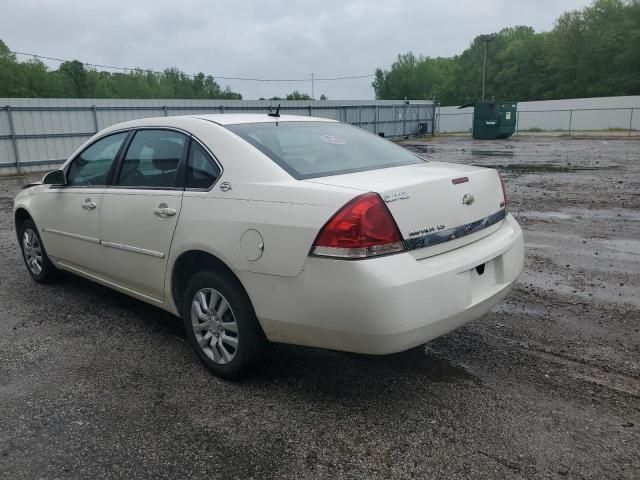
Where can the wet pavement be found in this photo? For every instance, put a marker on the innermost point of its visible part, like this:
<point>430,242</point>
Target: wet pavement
<point>94,384</point>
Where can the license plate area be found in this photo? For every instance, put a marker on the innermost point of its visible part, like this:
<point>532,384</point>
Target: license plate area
<point>483,279</point>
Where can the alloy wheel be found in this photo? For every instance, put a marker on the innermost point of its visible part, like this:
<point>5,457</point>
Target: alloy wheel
<point>32,251</point>
<point>214,325</point>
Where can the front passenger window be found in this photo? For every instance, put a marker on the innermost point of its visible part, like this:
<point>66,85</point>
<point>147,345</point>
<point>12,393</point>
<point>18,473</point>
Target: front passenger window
<point>92,165</point>
<point>152,159</point>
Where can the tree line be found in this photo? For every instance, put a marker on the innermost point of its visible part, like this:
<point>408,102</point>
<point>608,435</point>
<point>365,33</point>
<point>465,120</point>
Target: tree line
<point>296,95</point>
<point>589,53</point>
<point>72,79</point>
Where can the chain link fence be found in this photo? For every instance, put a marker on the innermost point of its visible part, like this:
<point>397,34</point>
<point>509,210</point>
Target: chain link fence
<point>615,121</point>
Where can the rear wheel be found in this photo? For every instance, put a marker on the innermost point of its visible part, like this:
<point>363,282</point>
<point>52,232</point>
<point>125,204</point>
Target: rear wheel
<point>221,324</point>
<point>34,254</point>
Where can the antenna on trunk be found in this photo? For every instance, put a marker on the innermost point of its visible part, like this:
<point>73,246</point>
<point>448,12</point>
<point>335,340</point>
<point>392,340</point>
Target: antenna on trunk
<point>276,113</point>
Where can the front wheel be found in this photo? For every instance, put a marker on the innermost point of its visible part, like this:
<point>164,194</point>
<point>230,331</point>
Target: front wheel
<point>221,324</point>
<point>35,256</point>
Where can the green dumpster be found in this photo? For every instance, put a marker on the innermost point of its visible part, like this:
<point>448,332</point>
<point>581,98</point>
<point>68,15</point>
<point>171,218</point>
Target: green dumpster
<point>493,120</point>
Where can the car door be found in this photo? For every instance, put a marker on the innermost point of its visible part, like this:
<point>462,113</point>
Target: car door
<point>68,216</point>
<point>141,208</point>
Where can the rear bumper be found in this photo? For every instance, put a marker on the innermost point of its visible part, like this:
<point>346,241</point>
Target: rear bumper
<point>387,304</point>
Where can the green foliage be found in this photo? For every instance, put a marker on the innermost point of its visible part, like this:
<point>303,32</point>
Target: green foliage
<point>72,79</point>
<point>591,52</point>
<point>296,95</point>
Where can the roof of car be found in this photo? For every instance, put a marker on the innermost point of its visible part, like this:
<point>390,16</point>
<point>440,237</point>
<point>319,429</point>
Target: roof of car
<point>236,118</point>
<point>219,119</point>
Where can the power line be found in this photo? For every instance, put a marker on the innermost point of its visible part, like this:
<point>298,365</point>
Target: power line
<point>221,77</point>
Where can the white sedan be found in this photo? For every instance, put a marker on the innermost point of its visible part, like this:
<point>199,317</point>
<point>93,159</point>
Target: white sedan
<point>257,228</point>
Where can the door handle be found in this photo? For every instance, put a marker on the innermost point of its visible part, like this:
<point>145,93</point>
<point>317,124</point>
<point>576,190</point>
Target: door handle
<point>164,211</point>
<point>89,204</point>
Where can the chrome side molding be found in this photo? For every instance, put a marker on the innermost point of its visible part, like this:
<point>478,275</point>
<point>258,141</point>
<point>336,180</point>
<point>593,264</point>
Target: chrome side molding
<point>435,238</point>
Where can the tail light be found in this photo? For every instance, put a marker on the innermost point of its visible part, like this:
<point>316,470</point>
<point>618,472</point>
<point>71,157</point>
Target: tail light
<point>362,228</point>
<point>505,203</point>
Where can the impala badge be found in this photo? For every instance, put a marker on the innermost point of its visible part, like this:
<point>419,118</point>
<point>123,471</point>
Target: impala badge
<point>468,199</point>
<point>225,186</point>
<point>426,230</point>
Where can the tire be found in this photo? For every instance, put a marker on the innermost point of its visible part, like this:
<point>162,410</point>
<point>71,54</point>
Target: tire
<point>228,339</point>
<point>42,270</point>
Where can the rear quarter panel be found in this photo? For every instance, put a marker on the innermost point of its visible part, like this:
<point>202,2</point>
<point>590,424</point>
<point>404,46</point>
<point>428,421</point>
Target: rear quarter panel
<point>215,224</point>
<point>286,212</point>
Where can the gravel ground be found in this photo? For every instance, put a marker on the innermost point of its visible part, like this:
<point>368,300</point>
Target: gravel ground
<point>94,384</point>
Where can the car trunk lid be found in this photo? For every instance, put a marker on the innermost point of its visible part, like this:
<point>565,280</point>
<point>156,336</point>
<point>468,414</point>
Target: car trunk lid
<point>437,206</point>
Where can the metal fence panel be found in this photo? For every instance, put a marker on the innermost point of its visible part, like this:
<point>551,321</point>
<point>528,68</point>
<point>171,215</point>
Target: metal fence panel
<point>6,149</point>
<point>44,132</point>
<point>4,122</point>
<point>544,121</point>
<point>454,122</point>
<point>49,149</point>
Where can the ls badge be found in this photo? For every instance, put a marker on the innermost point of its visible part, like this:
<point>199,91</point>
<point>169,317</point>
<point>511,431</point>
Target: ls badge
<point>392,197</point>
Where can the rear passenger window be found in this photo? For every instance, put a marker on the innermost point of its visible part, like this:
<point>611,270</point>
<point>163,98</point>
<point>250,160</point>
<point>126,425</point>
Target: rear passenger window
<point>152,159</point>
<point>202,170</point>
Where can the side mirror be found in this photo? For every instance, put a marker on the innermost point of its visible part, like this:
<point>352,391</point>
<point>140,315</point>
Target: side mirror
<point>55,177</point>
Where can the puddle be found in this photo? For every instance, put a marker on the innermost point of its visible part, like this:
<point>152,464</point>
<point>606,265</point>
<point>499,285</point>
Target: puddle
<point>623,245</point>
<point>419,148</point>
<point>543,168</point>
<point>477,155</point>
<point>613,215</point>
<point>493,153</point>
<point>546,215</point>
<point>425,362</point>
<point>597,291</point>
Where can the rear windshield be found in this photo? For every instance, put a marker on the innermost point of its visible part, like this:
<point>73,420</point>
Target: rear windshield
<point>320,149</point>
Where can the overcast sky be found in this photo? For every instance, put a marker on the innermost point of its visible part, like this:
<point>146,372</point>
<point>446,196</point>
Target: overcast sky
<point>264,38</point>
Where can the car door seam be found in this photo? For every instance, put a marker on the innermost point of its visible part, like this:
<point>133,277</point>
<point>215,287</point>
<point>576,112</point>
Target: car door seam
<point>175,228</point>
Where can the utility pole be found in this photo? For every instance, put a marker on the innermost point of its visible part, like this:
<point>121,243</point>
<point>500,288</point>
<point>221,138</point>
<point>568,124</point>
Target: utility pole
<point>485,39</point>
<point>313,94</point>
<point>484,69</point>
